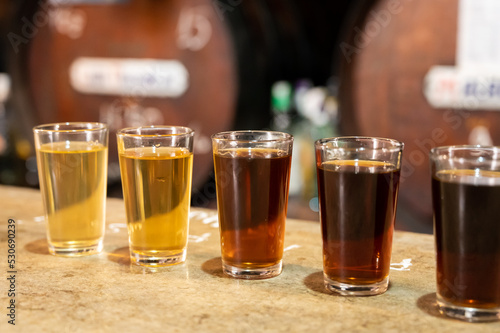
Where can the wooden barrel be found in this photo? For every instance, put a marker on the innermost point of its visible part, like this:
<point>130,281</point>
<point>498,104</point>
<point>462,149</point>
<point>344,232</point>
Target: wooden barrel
<point>128,63</point>
<point>72,61</point>
<point>407,74</point>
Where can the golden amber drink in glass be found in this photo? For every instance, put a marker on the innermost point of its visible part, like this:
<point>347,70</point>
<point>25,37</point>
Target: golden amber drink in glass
<point>156,170</point>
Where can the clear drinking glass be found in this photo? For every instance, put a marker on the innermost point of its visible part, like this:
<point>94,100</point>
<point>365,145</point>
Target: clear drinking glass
<point>465,194</point>
<point>156,165</point>
<point>358,182</point>
<point>72,161</point>
<point>252,171</point>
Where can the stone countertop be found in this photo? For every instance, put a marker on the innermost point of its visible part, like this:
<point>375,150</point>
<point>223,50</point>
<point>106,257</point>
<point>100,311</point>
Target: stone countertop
<point>103,293</point>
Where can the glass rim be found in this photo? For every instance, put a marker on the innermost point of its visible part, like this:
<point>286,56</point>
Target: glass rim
<point>396,145</point>
<point>285,137</point>
<point>128,131</point>
<point>441,149</point>
<point>79,127</point>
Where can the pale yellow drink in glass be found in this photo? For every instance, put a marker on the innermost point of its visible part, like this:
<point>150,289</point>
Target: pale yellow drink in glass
<point>157,192</point>
<point>73,178</point>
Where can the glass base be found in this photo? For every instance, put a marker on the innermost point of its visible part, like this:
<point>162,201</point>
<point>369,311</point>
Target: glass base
<point>472,315</point>
<point>75,250</point>
<point>253,273</point>
<point>158,259</point>
<point>346,289</point>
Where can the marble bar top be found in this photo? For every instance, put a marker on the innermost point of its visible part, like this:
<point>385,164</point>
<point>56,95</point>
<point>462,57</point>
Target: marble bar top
<point>103,293</point>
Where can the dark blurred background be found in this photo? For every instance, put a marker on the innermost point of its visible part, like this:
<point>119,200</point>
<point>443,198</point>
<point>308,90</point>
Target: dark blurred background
<point>311,68</point>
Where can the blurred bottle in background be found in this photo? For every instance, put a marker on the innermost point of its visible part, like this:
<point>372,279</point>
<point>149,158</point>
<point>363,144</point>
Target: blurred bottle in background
<point>17,167</point>
<point>309,113</point>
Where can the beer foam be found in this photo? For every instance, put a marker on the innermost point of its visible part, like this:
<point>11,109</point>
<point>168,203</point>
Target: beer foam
<point>71,147</point>
<point>251,152</point>
<point>155,152</point>
<point>470,176</point>
<point>366,166</point>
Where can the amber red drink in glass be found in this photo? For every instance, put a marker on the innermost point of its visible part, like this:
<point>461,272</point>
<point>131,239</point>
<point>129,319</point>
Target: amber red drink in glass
<point>252,172</point>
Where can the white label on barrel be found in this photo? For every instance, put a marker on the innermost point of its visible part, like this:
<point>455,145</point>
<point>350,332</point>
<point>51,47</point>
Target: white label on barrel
<point>478,35</point>
<point>129,77</point>
<point>463,88</point>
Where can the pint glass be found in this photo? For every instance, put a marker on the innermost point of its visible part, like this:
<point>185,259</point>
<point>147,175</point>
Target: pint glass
<point>252,172</point>
<point>156,165</point>
<point>358,182</point>
<point>72,168</point>
<point>465,195</point>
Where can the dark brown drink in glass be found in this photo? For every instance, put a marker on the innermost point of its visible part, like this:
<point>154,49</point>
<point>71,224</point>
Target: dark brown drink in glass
<point>357,208</point>
<point>252,196</point>
<point>358,183</point>
<point>467,230</point>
